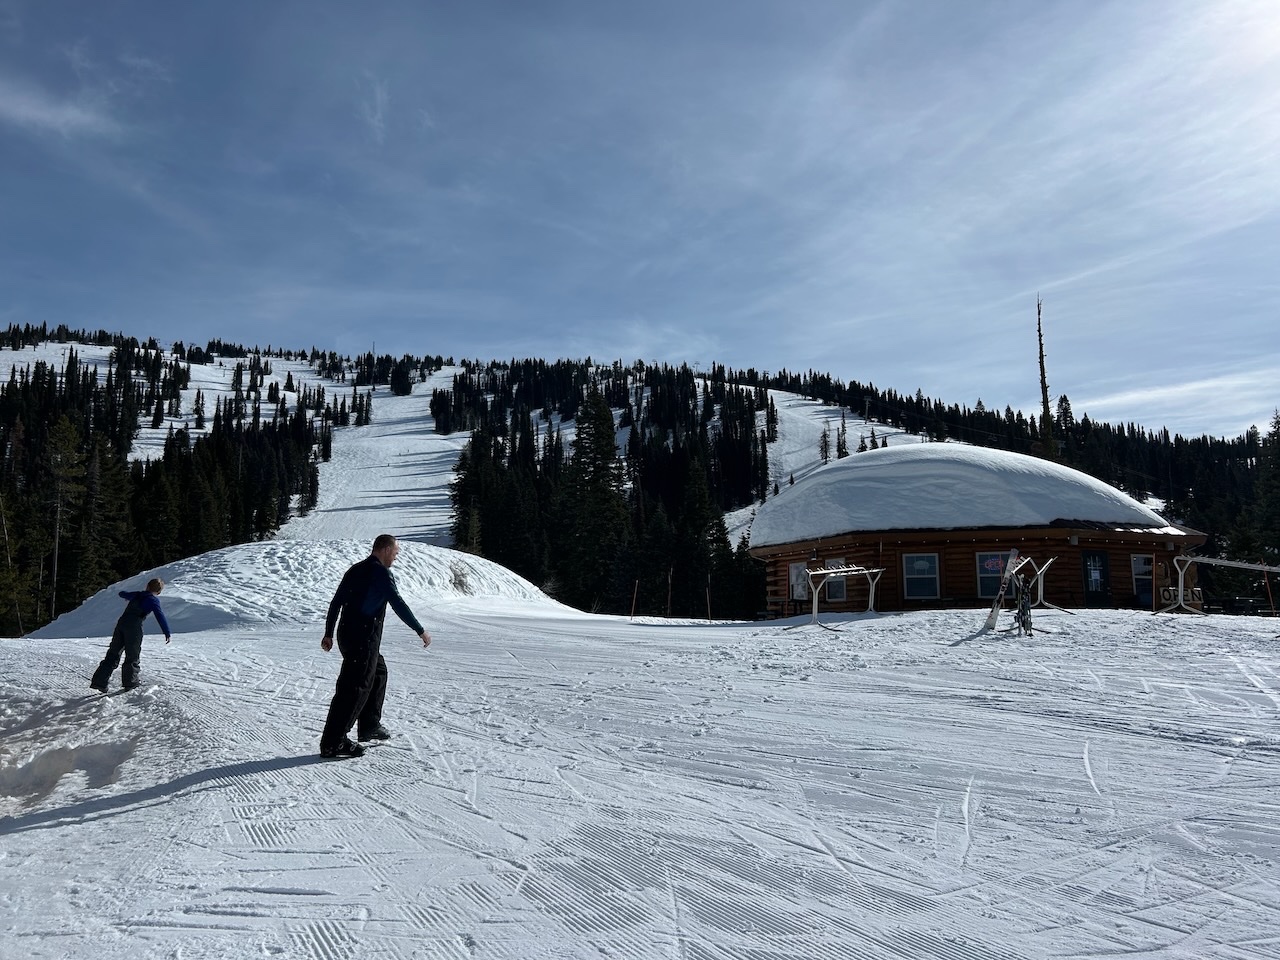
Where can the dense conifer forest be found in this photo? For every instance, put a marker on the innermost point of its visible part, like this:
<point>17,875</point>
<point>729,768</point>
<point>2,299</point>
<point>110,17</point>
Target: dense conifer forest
<point>627,515</point>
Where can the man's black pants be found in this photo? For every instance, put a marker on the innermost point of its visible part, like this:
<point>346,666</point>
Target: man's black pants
<point>361,688</point>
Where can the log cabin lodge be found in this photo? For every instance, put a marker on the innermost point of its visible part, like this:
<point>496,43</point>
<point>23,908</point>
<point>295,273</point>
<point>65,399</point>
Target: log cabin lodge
<point>939,520</point>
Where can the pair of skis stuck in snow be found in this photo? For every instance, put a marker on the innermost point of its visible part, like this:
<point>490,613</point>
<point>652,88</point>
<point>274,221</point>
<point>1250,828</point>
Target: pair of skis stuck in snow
<point>1013,563</point>
<point>1011,567</point>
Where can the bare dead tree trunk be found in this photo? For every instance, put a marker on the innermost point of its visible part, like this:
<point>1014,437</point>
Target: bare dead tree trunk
<point>1050,451</point>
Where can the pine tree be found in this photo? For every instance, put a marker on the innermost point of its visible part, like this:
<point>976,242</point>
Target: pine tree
<point>701,546</point>
<point>311,489</point>
<point>1266,507</point>
<point>66,469</point>
<point>103,542</point>
<point>595,512</point>
<point>9,575</point>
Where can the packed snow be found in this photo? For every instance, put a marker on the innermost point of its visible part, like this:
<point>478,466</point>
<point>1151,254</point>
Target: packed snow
<point>562,785</point>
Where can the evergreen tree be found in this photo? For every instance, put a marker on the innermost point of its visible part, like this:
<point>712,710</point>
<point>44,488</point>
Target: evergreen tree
<point>103,541</point>
<point>1266,507</point>
<point>10,576</point>
<point>66,470</point>
<point>595,513</point>
<point>761,460</point>
<point>702,546</point>
<point>311,489</point>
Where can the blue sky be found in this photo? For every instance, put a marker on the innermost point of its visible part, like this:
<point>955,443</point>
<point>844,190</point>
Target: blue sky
<point>874,190</point>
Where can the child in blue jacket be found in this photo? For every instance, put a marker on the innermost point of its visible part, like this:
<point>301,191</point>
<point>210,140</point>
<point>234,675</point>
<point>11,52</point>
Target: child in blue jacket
<point>127,636</point>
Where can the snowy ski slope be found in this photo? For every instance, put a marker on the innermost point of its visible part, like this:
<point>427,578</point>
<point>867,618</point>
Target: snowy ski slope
<point>569,786</point>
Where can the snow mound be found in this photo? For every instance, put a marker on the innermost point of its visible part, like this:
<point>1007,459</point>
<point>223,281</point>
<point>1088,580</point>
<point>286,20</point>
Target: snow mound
<point>292,582</point>
<point>941,486</point>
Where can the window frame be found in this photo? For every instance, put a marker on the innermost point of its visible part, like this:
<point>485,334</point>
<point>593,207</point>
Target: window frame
<point>908,578</point>
<point>798,586</point>
<point>1149,576</point>
<point>838,582</point>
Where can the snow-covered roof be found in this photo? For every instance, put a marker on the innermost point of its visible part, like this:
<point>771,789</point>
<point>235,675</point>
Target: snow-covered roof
<point>942,486</point>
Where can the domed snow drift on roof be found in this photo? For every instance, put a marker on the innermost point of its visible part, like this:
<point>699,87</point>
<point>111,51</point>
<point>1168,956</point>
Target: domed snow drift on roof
<point>941,486</point>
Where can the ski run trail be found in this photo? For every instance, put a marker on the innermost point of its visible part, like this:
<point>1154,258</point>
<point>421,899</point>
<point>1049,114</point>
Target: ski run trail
<point>565,785</point>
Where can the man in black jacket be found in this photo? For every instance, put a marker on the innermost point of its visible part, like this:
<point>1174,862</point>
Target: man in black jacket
<point>358,608</point>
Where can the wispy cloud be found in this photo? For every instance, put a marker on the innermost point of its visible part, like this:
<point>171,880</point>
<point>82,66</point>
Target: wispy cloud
<point>145,68</point>
<point>1183,403</point>
<point>29,107</point>
<point>127,76</point>
<point>374,102</point>
<point>94,109</point>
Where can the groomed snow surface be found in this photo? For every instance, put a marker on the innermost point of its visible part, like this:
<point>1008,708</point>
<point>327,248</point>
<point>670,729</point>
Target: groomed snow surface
<point>564,785</point>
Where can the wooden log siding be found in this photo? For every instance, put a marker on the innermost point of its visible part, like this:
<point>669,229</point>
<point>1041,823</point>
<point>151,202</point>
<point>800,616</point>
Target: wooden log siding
<point>957,558</point>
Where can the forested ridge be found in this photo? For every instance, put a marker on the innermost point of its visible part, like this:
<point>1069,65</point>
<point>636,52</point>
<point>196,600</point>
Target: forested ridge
<point>627,515</point>
<point>77,513</point>
<point>644,530</point>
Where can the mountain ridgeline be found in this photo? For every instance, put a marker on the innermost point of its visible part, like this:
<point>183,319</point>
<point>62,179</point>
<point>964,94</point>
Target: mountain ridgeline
<point>627,514</point>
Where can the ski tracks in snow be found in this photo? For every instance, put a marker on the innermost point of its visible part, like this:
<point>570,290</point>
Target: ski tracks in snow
<point>652,793</point>
<point>1088,770</point>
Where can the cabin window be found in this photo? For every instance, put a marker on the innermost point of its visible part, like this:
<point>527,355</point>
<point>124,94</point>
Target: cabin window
<point>990,573</point>
<point>836,585</point>
<point>920,576</point>
<point>1142,581</point>
<point>799,581</point>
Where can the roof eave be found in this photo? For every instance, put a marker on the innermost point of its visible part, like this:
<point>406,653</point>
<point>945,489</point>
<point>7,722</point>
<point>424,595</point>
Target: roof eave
<point>1056,530</point>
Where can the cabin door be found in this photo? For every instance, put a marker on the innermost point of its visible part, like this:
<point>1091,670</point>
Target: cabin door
<point>1097,579</point>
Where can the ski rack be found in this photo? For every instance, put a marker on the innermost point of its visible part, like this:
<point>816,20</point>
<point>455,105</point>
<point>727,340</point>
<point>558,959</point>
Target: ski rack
<point>1181,563</point>
<point>818,579</point>
<point>1038,582</point>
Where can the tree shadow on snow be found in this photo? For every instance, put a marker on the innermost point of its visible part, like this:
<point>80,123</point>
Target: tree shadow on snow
<point>87,811</point>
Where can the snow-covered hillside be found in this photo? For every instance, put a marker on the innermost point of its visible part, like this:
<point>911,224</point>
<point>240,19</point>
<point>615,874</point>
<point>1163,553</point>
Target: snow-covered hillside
<point>211,379</point>
<point>563,785</point>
